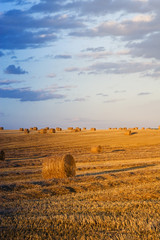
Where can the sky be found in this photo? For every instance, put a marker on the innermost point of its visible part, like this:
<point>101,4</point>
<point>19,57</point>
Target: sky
<point>72,63</point>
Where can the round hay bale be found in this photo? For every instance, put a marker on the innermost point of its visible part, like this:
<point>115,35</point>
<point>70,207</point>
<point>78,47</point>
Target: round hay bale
<point>159,127</point>
<point>43,131</point>
<point>21,129</point>
<point>26,130</point>
<point>96,149</point>
<point>128,132</point>
<point>70,128</point>
<point>58,129</point>
<point>31,128</point>
<point>75,130</point>
<point>142,128</point>
<point>35,128</point>
<point>52,130</point>
<point>84,128</point>
<point>2,155</point>
<point>1,128</point>
<point>47,128</point>
<point>59,167</point>
<point>78,129</point>
<point>93,129</point>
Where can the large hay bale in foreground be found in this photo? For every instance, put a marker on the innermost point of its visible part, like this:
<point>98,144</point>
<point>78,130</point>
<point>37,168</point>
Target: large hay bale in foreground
<point>96,149</point>
<point>2,155</point>
<point>59,167</point>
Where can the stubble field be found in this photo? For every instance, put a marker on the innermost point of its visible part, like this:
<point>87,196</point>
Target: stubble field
<point>114,195</point>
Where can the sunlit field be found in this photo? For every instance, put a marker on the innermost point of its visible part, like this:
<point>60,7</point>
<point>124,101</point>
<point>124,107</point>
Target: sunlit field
<point>114,195</point>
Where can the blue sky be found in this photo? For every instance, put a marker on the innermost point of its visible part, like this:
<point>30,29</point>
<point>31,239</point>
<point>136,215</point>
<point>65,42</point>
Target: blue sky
<point>89,63</point>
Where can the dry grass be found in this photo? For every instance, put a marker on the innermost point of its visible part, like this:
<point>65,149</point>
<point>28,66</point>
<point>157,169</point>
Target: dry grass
<point>114,195</point>
<point>59,167</point>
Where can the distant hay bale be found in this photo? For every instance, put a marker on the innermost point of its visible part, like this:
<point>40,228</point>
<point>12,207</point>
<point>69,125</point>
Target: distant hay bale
<point>21,129</point>
<point>52,130</point>
<point>1,128</point>
<point>70,128</point>
<point>78,129</point>
<point>47,128</point>
<point>84,129</point>
<point>26,130</point>
<point>75,130</point>
<point>35,128</point>
<point>31,128</point>
<point>159,127</point>
<point>2,155</point>
<point>96,149</point>
<point>143,128</point>
<point>59,167</point>
<point>93,129</point>
<point>128,132</point>
<point>43,131</point>
<point>58,129</point>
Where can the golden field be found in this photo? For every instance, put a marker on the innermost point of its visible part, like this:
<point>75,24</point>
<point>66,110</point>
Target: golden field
<point>114,195</point>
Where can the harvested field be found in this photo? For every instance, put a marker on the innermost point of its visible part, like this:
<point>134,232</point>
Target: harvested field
<point>114,195</point>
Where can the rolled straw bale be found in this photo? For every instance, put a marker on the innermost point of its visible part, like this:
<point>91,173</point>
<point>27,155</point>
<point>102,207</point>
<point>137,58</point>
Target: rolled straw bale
<point>75,130</point>
<point>84,128</point>
<point>58,129</point>
<point>78,129</point>
<point>1,128</point>
<point>26,130</point>
<point>47,128</point>
<point>143,128</point>
<point>31,128</point>
<point>35,128</point>
<point>70,128</point>
<point>2,155</point>
<point>52,130</point>
<point>93,129</point>
<point>59,167</point>
<point>128,132</point>
<point>43,131</point>
<point>96,149</point>
<point>159,127</point>
<point>21,129</point>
